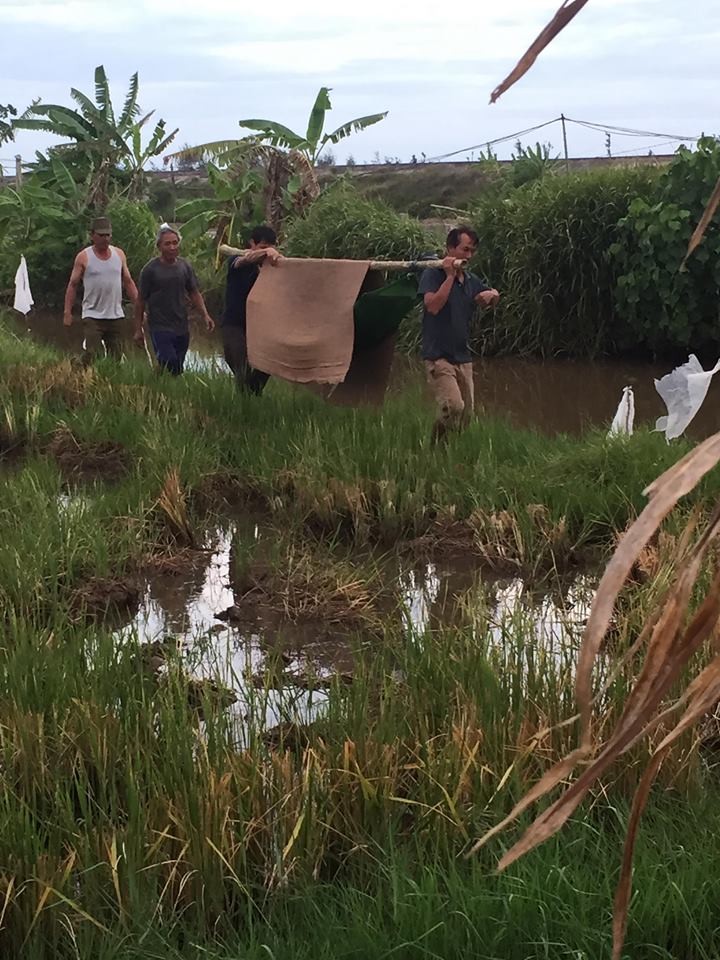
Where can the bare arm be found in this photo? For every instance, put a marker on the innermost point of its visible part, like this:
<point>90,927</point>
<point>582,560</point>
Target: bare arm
<point>127,281</point>
<point>71,292</point>
<point>256,256</point>
<point>196,298</point>
<point>434,302</point>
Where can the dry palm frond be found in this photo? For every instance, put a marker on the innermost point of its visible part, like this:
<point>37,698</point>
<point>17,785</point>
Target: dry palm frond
<point>561,19</point>
<point>702,226</point>
<point>309,188</point>
<point>670,644</point>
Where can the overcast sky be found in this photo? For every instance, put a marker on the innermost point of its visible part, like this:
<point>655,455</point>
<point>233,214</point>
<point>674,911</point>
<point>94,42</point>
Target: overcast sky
<point>649,64</point>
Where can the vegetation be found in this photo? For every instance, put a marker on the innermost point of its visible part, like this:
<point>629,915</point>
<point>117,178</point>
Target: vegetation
<point>312,143</point>
<point>140,820</point>
<point>97,142</point>
<point>661,305</point>
<point>341,223</point>
<point>546,247</point>
<point>274,163</point>
<point>48,220</point>
<point>179,799</point>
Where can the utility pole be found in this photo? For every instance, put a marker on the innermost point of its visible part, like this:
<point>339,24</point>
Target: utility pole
<point>565,147</point>
<point>18,171</point>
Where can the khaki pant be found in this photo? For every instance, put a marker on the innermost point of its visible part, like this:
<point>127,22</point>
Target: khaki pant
<point>454,392</point>
<point>102,338</point>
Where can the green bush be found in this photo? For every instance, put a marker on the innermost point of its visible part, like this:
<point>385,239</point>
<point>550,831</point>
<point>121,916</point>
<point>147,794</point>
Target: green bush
<point>134,230</point>
<point>47,222</point>
<point>344,225</point>
<point>545,247</point>
<point>662,307</point>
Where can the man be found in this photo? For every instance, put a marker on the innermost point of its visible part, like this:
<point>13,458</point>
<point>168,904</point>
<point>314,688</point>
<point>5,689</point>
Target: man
<point>450,296</point>
<point>103,271</point>
<point>243,271</point>
<point>166,283</point>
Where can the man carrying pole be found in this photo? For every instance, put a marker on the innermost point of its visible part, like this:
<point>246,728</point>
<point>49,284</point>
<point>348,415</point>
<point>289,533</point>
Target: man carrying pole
<point>451,295</point>
<point>102,269</point>
<point>243,271</point>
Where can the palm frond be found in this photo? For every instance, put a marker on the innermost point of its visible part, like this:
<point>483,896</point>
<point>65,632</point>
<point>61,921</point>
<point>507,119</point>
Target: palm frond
<point>88,109</point>
<point>276,134</point>
<point>316,121</point>
<point>353,126</point>
<point>130,108</point>
<point>102,94</point>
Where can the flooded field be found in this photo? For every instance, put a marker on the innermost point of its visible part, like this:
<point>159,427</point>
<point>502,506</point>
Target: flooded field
<point>198,613</point>
<point>553,396</point>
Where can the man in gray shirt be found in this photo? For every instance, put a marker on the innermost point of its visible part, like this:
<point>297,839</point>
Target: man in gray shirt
<point>102,269</point>
<point>166,284</point>
<point>450,296</point>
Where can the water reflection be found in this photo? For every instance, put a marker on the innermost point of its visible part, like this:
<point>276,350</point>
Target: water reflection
<point>548,621</point>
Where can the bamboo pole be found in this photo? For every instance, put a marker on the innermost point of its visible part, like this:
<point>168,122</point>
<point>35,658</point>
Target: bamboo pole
<point>389,265</point>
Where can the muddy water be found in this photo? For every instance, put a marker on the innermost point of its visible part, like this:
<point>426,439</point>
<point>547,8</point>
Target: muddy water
<point>556,396</point>
<point>185,605</point>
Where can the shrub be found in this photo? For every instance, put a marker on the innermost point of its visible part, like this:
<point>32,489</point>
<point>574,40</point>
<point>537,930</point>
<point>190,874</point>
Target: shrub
<point>344,225</point>
<point>134,230</point>
<point>546,249</point>
<point>662,307</point>
<point>48,223</point>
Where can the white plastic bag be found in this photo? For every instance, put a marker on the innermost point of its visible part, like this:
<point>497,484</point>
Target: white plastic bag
<point>625,415</point>
<point>683,391</point>
<point>23,298</point>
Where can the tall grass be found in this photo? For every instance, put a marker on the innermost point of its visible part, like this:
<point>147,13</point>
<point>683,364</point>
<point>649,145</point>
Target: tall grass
<point>344,224</point>
<point>131,827</point>
<point>375,474</point>
<point>546,247</point>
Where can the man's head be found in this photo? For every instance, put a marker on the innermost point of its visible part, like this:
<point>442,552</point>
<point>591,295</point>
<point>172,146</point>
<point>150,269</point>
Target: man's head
<point>262,237</point>
<point>101,233</point>
<point>462,242</point>
<point>168,242</point>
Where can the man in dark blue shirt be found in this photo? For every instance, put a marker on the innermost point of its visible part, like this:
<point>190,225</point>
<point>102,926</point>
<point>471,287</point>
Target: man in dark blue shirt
<point>450,296</point>
<point>243,271</point>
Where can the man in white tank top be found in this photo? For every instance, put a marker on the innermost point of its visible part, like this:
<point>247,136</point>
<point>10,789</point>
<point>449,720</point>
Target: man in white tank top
<point>103,272</point>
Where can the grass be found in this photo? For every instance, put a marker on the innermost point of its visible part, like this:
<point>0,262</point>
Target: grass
<point>133,825</point>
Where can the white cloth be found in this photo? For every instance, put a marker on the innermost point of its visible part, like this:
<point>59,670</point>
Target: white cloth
<point>625,415</point>
<point>683,391</point>
<point>23,298</point>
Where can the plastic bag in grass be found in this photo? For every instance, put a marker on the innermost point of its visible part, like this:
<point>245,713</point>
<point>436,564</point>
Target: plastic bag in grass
<point>683,391</point>
<point>625,415</point>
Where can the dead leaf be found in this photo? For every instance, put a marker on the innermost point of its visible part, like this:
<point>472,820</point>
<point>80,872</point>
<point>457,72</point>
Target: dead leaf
<point>561,19</point>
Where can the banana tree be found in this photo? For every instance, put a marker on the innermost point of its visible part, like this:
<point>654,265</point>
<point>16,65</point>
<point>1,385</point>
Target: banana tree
<point>94,139</point>
<point>236,201</point>
<point>288,158</point>
<point>312,143</point>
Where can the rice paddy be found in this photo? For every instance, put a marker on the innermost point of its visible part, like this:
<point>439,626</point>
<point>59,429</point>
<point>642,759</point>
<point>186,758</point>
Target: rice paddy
<point>271,667</point>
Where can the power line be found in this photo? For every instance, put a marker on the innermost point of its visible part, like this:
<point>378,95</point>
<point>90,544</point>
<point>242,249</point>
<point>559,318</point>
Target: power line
<point>491,143</point>
<point>649,146</point>
<point>625,131</point>
<point>592,125</point>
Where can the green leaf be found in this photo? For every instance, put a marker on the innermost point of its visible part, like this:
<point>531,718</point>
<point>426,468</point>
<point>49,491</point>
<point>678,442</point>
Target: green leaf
<point>276,134</point>
<point>130,108</point>
<point>102,95</point>
<point>353,126</point>
<point>316,121</point>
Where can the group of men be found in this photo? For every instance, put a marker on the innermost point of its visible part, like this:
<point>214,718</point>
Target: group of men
<point>167,285</point>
